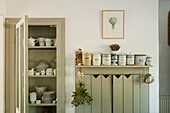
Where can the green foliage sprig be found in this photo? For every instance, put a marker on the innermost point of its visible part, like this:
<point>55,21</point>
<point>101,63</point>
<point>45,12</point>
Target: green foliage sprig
<point>81,95</point>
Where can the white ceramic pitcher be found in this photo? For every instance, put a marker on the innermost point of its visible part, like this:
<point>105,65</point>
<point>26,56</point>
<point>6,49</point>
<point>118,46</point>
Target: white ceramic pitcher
<point>32,41</point>
<point>49,42</point>
<point>41,41</point>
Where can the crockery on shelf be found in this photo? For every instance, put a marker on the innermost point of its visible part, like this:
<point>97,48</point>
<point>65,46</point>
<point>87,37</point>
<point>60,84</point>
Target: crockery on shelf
<point>40,91</point>
<point>148,60</point>
<point>140,59</point>
<point>38,101</point>
<point>31,72</point>
<point>42,71</point>
<point>122,59</point>
<point>97,59</point>
<point>114,57</point>
<point>78,57</point>
<point>106,58</point>
<point>49,42</point>
<point>48,96</point>
<point>37,73</point>
<point>86,59</point>
<point>41,41</point>
<point>130,59</point>
<point>33,97</point>
<point>32,41</point>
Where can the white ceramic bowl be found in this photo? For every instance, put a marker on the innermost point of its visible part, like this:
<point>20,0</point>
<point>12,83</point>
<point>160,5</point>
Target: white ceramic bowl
<point>40,91</point>
<point>50,69</point>
<point>31,72</point>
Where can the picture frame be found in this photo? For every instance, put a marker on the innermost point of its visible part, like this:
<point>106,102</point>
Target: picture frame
<point>113,24</point>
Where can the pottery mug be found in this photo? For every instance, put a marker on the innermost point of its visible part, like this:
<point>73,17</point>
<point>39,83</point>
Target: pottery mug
<point>41,41</point>
<point>32,41</point>
<point>33,97</point>
<point>49,41</point>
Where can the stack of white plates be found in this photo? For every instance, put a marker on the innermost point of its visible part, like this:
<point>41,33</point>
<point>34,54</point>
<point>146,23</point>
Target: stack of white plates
<point>48,96</point>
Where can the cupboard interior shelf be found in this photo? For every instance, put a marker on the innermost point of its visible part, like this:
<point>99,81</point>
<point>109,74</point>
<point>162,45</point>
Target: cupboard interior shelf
<point>43,104</point>
<point>42,47</point>
<point>41,76</point>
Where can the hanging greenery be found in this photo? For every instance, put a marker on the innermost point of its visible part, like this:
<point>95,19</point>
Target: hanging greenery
<point>81,95</point>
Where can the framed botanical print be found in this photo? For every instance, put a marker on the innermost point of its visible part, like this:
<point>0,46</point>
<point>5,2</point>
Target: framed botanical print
<point>113,23</point>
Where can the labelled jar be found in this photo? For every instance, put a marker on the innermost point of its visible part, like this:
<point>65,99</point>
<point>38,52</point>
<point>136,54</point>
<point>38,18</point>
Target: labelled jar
<point>130,59</point>
<point>97,59</point>
<point>122,59</point>
<point>140,59</point>
<point>106,59</point>
<point>78,57</point>
<point>86,59</point>
<point>114,57</point>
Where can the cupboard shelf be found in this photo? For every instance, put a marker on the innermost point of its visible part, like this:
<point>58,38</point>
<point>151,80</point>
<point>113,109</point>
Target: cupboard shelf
<point>42,76</point>
<point>42,47</point>
<point>43,104</point>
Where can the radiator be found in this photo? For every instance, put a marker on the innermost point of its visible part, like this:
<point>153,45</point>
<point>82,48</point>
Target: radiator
<point>164,104</point>
<point>115,90</point>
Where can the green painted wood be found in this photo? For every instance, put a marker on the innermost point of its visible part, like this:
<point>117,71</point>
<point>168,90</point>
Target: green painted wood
<point>107,94</point>
<point>96,93</point>
<point>80,108</point>
<point>128,94</point>
<point>136,93</point>
<point>144,96</point>
<point>117,94</point>
<point>88,82</point>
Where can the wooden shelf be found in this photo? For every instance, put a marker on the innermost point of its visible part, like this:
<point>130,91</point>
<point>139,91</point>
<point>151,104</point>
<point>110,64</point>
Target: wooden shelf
<point>42,47</point>
<point>41,76</point>
<point>43,104</point>
<point>112,66</point>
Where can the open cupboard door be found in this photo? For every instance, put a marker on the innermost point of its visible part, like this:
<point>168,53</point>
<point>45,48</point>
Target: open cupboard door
<point>2,62</point>
<point>21,64</point>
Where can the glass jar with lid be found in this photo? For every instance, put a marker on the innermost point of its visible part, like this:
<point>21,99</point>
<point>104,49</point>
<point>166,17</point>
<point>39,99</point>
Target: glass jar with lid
<point>86,59</point>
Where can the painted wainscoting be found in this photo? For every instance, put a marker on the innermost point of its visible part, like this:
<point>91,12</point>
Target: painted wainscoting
<point>119,93</point>
<point>164,104</point>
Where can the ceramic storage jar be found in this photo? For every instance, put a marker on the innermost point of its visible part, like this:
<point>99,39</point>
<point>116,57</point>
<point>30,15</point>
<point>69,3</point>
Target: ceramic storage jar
<point>106,59</point>
<point>97,59</point>
<point>86,59</point>
<point>130,59</point>
<point>122,59</point>
<point>140,59</point>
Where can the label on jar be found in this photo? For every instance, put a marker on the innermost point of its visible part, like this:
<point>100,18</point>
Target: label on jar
<point>86,58</point>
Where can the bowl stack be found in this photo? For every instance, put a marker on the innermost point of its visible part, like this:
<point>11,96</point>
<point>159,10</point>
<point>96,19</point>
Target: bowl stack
<point>48,96</point>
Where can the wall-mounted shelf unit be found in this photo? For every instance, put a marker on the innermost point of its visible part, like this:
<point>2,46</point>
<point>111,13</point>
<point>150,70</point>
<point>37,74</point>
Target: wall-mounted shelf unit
<point>115,89</point>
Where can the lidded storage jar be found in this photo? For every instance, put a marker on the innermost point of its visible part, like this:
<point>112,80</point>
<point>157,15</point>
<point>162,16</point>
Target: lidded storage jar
<point>122,59</point>
<point>86,59</point>
<point>106,59</point>
<point>78,57</point>
<point>140,59</point>
<point>130,59</point>
<point>97,59</point>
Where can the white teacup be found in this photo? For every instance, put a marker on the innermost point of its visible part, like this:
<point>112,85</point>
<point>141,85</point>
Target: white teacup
<point>49,41</point>
<point>32,41</point>
<point>41,41</point>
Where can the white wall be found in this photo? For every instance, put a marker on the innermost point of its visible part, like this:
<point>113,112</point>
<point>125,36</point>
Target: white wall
<point>164,48</point>
<point>83,29</point>
<point>2,7</point>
